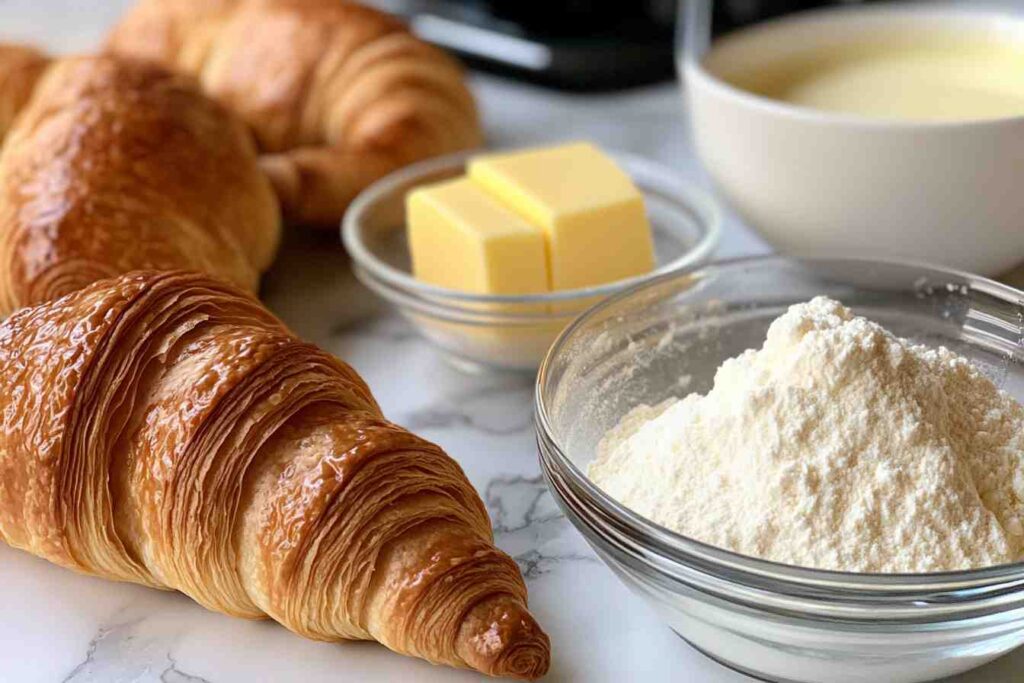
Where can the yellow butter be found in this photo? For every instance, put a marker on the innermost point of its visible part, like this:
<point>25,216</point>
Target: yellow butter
<point>592,214</point>
<point>461,238</point>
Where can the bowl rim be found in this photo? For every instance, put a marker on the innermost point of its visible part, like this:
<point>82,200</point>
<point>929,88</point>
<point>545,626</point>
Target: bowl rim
<point>668,183</point>
<point>690,69</point>
<point>676,548</point>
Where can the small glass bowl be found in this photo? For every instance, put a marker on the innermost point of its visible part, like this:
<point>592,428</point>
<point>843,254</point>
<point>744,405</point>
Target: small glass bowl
<point>509,332</point>
<point>666,338</point>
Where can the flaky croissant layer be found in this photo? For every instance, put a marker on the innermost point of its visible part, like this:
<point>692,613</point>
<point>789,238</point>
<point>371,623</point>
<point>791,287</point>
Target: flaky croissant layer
<point>338,94</point>
<point>164,428</point>
<point>114,165</point>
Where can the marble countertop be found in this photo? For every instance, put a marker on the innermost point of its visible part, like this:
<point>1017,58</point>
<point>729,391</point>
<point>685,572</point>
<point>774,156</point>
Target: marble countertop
<point>59,626</point>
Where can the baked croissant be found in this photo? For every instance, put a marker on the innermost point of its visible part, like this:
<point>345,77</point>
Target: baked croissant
<point>115,165</point>
<point>21,67</point>
<point>164,428</point>
<point>337,94</point>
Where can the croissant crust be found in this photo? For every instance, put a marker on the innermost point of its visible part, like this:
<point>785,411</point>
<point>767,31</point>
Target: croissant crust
<point>164,428</point>
<point>338,94</point>
<point>116,165</point>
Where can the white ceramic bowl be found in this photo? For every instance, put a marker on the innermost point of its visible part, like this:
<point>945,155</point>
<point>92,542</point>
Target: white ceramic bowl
<point>811,181</point>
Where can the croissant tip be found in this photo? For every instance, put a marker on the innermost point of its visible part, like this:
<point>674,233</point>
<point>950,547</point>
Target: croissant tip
<point>502,639</point>
<point>524,661</point>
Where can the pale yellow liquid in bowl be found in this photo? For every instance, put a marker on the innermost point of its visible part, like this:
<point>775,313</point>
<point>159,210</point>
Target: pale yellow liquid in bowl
<point>925,76</point>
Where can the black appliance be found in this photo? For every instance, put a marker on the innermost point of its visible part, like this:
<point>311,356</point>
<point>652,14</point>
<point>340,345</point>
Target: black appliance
<point>574,44</point>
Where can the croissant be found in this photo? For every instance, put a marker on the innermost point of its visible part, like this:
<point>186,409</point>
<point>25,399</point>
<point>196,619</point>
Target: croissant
<point>164,428</point>
<point>114,165</point>
<point>338,94</point>
<point>21,67</point>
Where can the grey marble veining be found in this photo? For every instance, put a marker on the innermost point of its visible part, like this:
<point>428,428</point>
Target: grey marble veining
<point>123,650</point>
<point>529,526</point>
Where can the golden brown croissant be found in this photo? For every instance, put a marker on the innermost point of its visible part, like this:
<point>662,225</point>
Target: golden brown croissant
<point>338,94</point>
<point>115,165</point>
<point>20,69</point>
<point>165,429</point>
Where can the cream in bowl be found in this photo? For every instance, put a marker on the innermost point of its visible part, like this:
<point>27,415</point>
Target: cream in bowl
<point>493,298</point>
<point>931,73</point>
<point>894,131</point>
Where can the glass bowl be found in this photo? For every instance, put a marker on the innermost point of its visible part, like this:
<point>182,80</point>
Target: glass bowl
<point>509,332</point>
<point>666,338</point>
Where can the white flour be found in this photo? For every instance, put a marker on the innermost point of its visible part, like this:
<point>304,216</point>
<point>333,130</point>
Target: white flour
<point>837,445</point>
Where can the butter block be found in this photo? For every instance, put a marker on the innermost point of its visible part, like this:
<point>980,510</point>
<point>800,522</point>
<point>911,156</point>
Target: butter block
<point>463,239</point>
<point>592,215</point>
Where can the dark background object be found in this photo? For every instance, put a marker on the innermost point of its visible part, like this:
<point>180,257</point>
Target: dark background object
<point>569,44</point>
<point>582,45</point>
<point>732,14</point>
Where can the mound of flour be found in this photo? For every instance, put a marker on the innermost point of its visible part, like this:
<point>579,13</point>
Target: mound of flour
<point>837,445</point>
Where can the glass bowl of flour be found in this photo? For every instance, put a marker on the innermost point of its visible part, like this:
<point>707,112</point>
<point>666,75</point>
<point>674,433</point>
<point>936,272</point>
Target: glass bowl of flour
<point>871,448</point>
